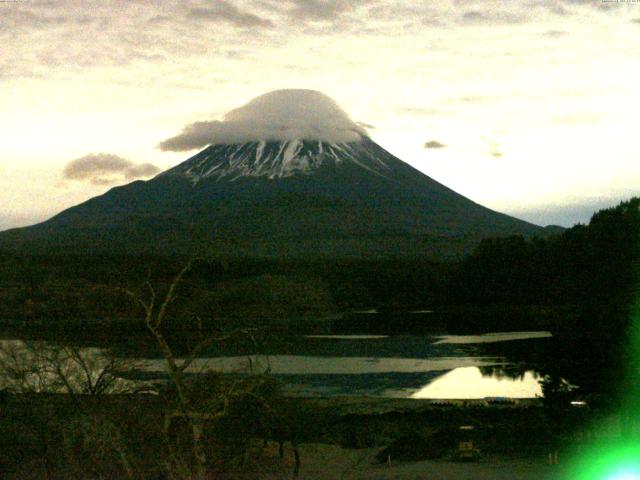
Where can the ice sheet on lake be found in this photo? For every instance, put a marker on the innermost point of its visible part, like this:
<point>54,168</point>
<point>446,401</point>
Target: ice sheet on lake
<point>348,337</point>
<point>310,365</point>
<point>490,337</point>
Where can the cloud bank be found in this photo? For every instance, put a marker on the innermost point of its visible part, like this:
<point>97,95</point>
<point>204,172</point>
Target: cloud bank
<point>434,144</point>
<point>45,38</point>
<point>476,17</point>
<point>222,11</point>
<point>106,168</point>
<point>279,115</point>
<point>321,10</point>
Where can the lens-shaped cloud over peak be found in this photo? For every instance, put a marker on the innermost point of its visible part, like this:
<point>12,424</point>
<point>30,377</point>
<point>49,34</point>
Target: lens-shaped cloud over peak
<point>280,115</point>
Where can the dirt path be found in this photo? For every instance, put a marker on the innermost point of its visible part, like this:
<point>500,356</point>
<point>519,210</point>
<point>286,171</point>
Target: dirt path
<point>329,462</point>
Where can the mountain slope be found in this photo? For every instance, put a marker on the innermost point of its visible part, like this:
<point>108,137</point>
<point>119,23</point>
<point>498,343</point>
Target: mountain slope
<point>294,198</point>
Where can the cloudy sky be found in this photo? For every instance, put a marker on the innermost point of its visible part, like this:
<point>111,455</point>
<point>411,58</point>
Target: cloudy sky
<point>526,106</point>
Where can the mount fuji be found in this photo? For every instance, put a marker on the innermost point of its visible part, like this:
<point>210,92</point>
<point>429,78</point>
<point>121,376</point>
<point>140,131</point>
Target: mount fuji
<point>286,175</point>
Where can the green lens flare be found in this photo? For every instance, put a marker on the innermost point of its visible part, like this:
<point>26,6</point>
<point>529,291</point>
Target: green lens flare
<point>625,475</point>
<point>615,462</point>
<point>615,419</point>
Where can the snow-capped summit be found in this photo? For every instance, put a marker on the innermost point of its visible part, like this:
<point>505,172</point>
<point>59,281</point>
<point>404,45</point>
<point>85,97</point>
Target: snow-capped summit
<point>280,159</point>
<point>278,135</point>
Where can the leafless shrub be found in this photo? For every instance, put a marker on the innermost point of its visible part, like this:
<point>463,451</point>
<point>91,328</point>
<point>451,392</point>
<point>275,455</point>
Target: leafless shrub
<point>41,367</point>
<point>206,402</point>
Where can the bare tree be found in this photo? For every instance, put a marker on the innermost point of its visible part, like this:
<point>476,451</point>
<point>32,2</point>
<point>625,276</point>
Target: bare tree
<point>209,398</point>
<point>189,405</point>
<point>29,368</point>
<point>42,367</point>
<point>210,420</point>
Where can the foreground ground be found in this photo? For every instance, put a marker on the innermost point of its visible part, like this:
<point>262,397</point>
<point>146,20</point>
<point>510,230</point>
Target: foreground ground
<point>49,436</point>
<point>321,461</point>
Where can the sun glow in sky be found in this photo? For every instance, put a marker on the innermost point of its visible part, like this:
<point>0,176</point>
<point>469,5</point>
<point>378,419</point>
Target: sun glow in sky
<point>528,106</point>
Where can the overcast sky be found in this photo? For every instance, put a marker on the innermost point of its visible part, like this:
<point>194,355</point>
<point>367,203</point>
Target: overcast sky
<point>526,106</point>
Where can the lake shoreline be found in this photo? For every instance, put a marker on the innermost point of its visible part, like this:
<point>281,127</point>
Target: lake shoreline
<point>452,319</point>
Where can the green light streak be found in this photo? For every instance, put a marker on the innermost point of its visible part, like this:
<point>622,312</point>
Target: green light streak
<point>625,475</point>
<point>619,459</point>
<point>609,462</point>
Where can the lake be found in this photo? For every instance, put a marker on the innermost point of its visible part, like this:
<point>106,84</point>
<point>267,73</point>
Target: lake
<point>497,364</point>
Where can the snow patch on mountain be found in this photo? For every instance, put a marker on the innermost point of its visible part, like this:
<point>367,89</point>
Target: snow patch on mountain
<point>281,115</point>
<point>280,159</point>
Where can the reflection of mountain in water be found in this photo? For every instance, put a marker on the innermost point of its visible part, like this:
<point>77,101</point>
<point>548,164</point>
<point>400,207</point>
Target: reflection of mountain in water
<point>471,382</point>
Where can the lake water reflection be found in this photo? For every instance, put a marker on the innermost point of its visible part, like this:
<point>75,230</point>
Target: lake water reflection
<point>442,367</point>
<point>468,383</point>
<point>438,367</point>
